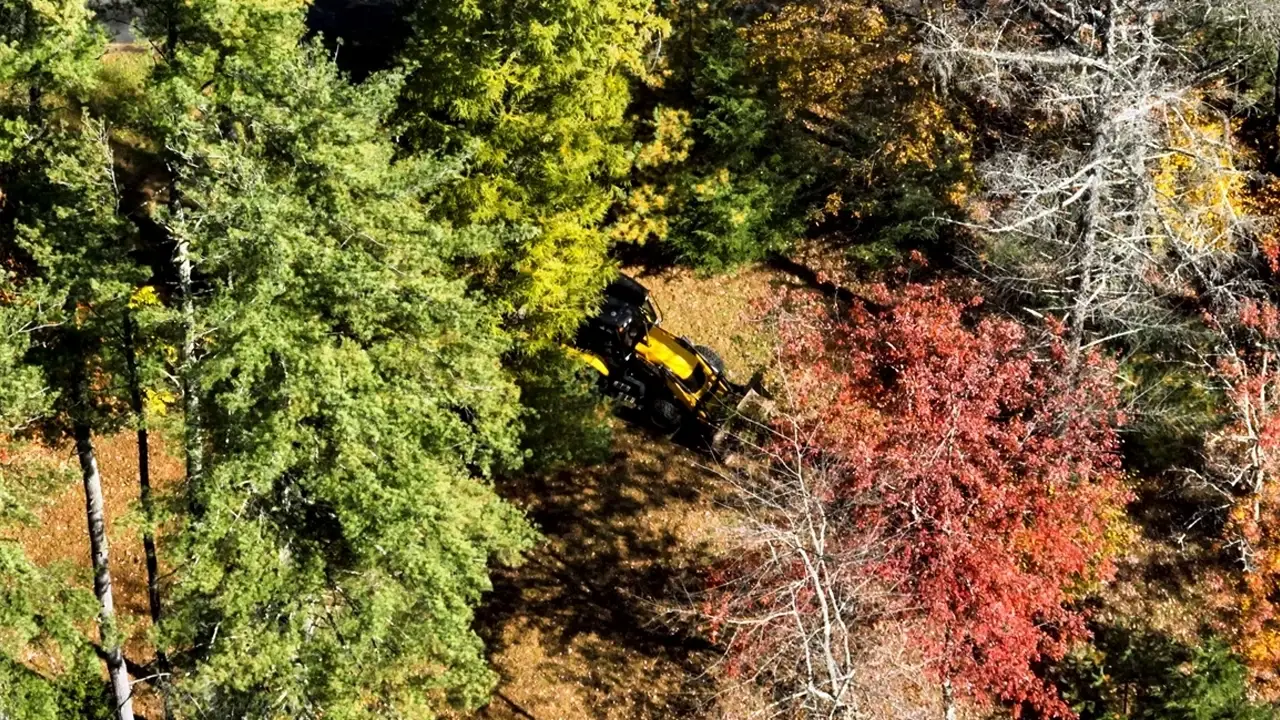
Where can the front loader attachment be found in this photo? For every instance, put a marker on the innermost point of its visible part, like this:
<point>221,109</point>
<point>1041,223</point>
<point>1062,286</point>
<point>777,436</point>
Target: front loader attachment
<point>747,416</point>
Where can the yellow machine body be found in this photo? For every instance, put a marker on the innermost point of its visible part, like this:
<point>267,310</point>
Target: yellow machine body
<point>688,375</point>
<point>645,366</point>
<point>589,358</point>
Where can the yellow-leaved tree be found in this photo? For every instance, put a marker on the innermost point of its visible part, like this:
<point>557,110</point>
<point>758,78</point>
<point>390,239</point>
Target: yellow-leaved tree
<point>535,94</point>
<point>1200,183</point>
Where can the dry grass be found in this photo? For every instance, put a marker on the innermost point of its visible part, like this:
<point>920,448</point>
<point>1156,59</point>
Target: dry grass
<point>60,534</point>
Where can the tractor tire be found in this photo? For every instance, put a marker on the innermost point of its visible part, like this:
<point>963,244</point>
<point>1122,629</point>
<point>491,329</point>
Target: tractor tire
<point>712,357</point>
<point>666,415</point>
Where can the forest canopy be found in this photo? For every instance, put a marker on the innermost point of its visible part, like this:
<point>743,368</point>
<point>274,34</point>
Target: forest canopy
<point>331,260</point>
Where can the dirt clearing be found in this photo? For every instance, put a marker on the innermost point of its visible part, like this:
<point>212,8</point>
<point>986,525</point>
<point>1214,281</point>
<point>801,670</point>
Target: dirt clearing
<point>579,630</point>
<point>60,533</point>
<point>722,312</point>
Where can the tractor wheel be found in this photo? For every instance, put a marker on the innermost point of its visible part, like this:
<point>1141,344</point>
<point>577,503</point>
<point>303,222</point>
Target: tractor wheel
<point>666,415</point>
<point>712,357</point>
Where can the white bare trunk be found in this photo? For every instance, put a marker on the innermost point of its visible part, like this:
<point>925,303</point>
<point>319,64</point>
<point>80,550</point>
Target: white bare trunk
<point>93,502</point>
<point>1074,227</point>
<point>1092,220</point>
<point>193,438</point>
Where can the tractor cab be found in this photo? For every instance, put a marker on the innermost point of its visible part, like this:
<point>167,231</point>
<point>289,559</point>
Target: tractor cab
<point>614,331</point>
<point>624,320</point>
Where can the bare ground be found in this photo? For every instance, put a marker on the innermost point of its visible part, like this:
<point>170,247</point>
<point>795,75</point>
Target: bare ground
<point>581,629</point>
<point>60,534</point>
<point>722,312</point>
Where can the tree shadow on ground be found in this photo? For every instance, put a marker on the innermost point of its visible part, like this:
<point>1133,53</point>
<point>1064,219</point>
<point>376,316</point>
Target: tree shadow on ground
<point>581,630</point>
<point>1179,519</point>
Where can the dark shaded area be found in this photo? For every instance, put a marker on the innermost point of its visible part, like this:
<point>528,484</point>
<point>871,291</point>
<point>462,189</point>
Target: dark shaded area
<point>364,36</point>
<point>654,257</point>
<point>117,16</point>
<point>1172,412</point>
<point>606,566</point>
<point>1133,672</point>
<point>515,707</point>
<point>1170,507</point>
<point>810,279</point>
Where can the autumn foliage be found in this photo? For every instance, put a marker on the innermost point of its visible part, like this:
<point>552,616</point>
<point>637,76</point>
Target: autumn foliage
<point>1242,464</point>
<point>987,470</point>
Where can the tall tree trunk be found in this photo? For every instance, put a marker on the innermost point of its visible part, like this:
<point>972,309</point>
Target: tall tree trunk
<point>144,468</point>
<point>120,687</point>
<point>148,502</point>
<point>1275,113</point>
<point>193,438</point>
<point>1085,291</point>
<point>1091,220</point>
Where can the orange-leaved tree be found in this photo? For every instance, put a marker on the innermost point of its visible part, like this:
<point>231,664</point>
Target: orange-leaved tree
<point>895,153</point>
<point>1242,462</point>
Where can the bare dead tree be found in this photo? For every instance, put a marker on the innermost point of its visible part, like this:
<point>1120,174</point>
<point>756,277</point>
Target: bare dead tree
<point>1074,218</point>
<point>1121,206</point>
<point>1239,457</point>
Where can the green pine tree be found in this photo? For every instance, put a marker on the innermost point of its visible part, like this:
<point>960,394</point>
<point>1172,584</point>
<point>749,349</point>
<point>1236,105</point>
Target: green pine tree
<point>536,93</point>
<point>67,281</point>
<point>718,182</point>
<point>345,389</point>
<point>1135,673</point>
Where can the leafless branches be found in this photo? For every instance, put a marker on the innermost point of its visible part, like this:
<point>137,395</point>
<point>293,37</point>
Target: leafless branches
<point>806,620</point>
<point>1076,218</point>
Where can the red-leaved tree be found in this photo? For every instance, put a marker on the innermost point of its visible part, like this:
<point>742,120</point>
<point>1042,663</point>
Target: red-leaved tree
<point>986,471</point>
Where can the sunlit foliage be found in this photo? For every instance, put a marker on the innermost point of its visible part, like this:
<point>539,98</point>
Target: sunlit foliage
<point>535,94</point>
<point>992,479</point>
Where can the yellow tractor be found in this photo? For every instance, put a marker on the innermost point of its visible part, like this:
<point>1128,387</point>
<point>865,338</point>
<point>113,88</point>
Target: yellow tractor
<point>643,366</point>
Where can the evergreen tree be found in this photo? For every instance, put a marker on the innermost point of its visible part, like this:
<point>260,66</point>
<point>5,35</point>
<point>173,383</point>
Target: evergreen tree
<point>1135,673</point>
<point>61,243</point>
<point>345,389</point>
<point>719,181</point>
<point>536,93</point>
